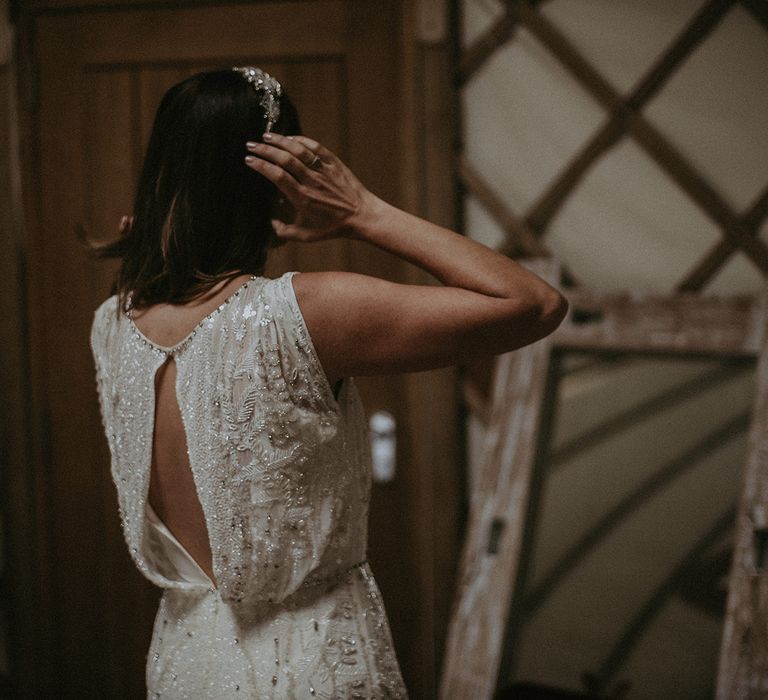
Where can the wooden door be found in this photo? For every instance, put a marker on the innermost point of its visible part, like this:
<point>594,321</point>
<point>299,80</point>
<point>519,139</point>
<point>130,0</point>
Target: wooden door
<point>101,73</point>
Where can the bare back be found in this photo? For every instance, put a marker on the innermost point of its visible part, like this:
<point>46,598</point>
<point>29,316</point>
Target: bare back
<point>172,492</point>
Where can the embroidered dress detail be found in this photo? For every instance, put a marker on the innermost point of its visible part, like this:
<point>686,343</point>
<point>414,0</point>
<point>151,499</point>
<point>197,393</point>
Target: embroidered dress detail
<point>282,471</point>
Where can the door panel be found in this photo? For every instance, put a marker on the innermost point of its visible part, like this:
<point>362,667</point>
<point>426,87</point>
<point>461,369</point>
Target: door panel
<point>102,75</point>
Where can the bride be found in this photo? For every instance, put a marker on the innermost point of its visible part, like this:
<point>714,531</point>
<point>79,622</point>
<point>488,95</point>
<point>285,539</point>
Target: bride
<point>237,438</point>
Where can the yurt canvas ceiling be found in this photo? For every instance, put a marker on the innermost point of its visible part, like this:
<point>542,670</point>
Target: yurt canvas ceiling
<point>627,139</point>
<point>626,223</point>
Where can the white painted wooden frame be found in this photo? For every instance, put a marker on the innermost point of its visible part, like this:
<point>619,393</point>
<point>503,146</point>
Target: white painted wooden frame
<point>488,588</point>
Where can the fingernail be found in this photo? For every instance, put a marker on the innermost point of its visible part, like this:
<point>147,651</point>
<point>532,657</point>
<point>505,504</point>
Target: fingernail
<point>249,159</point>
<point>250,144</point>
<point>267,136</point>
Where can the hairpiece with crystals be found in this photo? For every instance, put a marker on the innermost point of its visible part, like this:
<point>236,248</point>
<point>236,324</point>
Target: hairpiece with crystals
<point>270,91</point>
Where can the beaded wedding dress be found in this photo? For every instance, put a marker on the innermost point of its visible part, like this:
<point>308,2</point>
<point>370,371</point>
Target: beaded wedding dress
<point>282,471</point>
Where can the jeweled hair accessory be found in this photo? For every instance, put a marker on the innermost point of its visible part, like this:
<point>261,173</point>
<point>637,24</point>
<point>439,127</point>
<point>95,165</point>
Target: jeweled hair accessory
<point>270,91</point>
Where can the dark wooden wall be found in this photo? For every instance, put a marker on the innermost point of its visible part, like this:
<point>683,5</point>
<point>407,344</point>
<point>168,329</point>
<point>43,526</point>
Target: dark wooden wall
<point>89,76</point>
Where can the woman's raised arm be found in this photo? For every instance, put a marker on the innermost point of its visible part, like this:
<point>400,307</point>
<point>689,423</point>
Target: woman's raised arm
<point>364,325</point>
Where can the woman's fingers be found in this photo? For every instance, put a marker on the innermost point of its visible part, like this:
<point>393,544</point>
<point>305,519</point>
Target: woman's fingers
<point>281,228</point>
<point>288,232</point>
<point>292,145</point>
<point>293,232</point>
<point>303,147</point>
<point>324,192</point>
<point>292,163</point>
<point>282,179</point>
<point>326,155</point>
<point>312,145</point>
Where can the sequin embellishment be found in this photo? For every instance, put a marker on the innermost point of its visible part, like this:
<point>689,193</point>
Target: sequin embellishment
<point>283,475</point>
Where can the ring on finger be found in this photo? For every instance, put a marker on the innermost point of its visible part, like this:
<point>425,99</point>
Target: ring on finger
<point>316,163</point>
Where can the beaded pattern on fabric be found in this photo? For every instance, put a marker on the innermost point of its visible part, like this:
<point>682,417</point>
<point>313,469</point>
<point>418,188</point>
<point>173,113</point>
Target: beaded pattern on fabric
<point>283,475</point>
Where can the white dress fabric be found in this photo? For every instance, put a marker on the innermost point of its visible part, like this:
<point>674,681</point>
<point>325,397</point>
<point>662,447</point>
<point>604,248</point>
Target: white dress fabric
<point>282,470</point>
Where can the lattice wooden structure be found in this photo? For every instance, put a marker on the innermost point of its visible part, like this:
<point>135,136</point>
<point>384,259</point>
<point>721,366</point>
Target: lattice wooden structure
<point>525,231</point>
<point>523,378</point>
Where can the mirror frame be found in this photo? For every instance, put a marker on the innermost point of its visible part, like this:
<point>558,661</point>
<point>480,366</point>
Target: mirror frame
<point>490,583</point>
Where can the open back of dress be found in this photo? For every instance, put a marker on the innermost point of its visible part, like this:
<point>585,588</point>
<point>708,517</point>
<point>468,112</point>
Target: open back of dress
<point>281,470</point>
<point>173,506</point>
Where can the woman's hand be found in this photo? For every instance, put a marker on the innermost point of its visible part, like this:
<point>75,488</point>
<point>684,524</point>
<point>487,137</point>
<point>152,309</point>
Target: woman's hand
<point>363,325</point>
<point>329,200</point>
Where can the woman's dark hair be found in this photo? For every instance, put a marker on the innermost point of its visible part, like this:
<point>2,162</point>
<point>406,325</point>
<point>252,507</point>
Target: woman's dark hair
<point>200,214</point>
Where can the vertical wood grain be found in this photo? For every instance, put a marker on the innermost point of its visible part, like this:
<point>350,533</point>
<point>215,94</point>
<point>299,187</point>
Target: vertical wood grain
<point>26,602</point>
<point>499,507</point>
<point>743,667</point>
<point>435,418</point>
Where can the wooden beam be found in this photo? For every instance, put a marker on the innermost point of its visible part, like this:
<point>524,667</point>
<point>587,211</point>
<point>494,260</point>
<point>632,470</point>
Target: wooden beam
<point>654,143</point>
<point>699,189</point>
<point>494,542</point>
<point>692,35</point>
<point>758,9</point>
<point>565,52</point>
<point>498,508</point>
<point>490,606</point>
<point>547,205</point>
<point>434,429</point>
<point>473,58</point>
<point>551,200</point>
<point>743,668</point>
<point>495,36</point>
<point>654,323</point>
<point>716,257</point>
<point>522,238</point>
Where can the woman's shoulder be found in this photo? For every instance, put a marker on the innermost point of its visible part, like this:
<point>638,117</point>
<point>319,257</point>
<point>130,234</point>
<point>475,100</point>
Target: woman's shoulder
<point>105,317</point>
<point>329,289</point>
<point>109,305</point>
<point>106,313</point>
<point>298,291</point>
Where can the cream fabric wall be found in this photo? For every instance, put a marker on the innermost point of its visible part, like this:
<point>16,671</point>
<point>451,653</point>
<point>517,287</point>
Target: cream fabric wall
<point>627,224</point>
